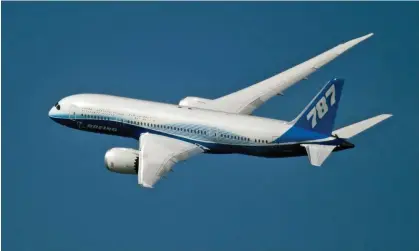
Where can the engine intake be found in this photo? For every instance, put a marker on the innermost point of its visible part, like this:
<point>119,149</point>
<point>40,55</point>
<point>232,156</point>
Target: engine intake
<point>122,160</point>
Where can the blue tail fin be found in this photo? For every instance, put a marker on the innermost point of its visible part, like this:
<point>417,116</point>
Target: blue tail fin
<point>320,114</point>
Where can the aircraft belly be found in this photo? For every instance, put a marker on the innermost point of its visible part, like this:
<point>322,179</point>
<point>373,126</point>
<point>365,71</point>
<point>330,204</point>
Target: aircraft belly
<point>268,151</point>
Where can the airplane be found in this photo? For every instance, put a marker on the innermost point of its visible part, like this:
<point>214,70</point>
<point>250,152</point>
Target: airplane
<point>169,133</point>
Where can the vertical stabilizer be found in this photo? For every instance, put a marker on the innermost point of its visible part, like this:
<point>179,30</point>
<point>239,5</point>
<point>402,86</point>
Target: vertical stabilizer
<point>319,115</point>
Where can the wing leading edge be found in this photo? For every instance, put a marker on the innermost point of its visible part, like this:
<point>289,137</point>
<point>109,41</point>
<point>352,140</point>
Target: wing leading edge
<point>245,101</point>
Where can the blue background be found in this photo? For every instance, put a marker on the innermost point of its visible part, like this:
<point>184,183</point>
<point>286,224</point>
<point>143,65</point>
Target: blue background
<point>57,194</point>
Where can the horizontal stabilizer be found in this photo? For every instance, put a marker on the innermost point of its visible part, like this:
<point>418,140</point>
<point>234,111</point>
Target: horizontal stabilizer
<point>317,154</point>
<point>354,129</point>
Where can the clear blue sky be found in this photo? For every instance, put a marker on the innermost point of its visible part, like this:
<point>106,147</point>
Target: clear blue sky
<point>57,194</point>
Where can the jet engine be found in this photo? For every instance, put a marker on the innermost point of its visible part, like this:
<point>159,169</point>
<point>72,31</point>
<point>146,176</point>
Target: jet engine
<point>122,160</point>
<point>194,102</point>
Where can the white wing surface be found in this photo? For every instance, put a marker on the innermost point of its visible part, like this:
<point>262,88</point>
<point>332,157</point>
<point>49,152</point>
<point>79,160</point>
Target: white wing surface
<point>355,129</point>
<point>245,101</point>
<point>159,154</point>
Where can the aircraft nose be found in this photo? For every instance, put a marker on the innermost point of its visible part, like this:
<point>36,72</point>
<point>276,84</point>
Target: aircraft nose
<point>52,112</point>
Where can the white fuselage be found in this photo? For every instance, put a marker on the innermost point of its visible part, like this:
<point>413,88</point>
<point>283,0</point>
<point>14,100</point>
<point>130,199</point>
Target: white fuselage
<point>214,131</point>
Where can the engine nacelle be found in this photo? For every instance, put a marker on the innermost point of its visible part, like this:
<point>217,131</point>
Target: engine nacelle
<point>194,102</point>
<point>122,160</point>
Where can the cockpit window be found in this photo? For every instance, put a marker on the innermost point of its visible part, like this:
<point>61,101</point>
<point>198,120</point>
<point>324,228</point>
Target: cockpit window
<point>57,106</point>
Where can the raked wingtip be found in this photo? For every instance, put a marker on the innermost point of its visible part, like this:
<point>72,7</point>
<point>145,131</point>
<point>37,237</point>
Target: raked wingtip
<point>356,41</point>
<point>386,116</point>
<point>368,36</point>
<point>360,39</point>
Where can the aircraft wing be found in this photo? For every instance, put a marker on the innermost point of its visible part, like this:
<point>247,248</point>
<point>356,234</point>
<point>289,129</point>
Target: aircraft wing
<point>159,154</point>
<point>245,101</point>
